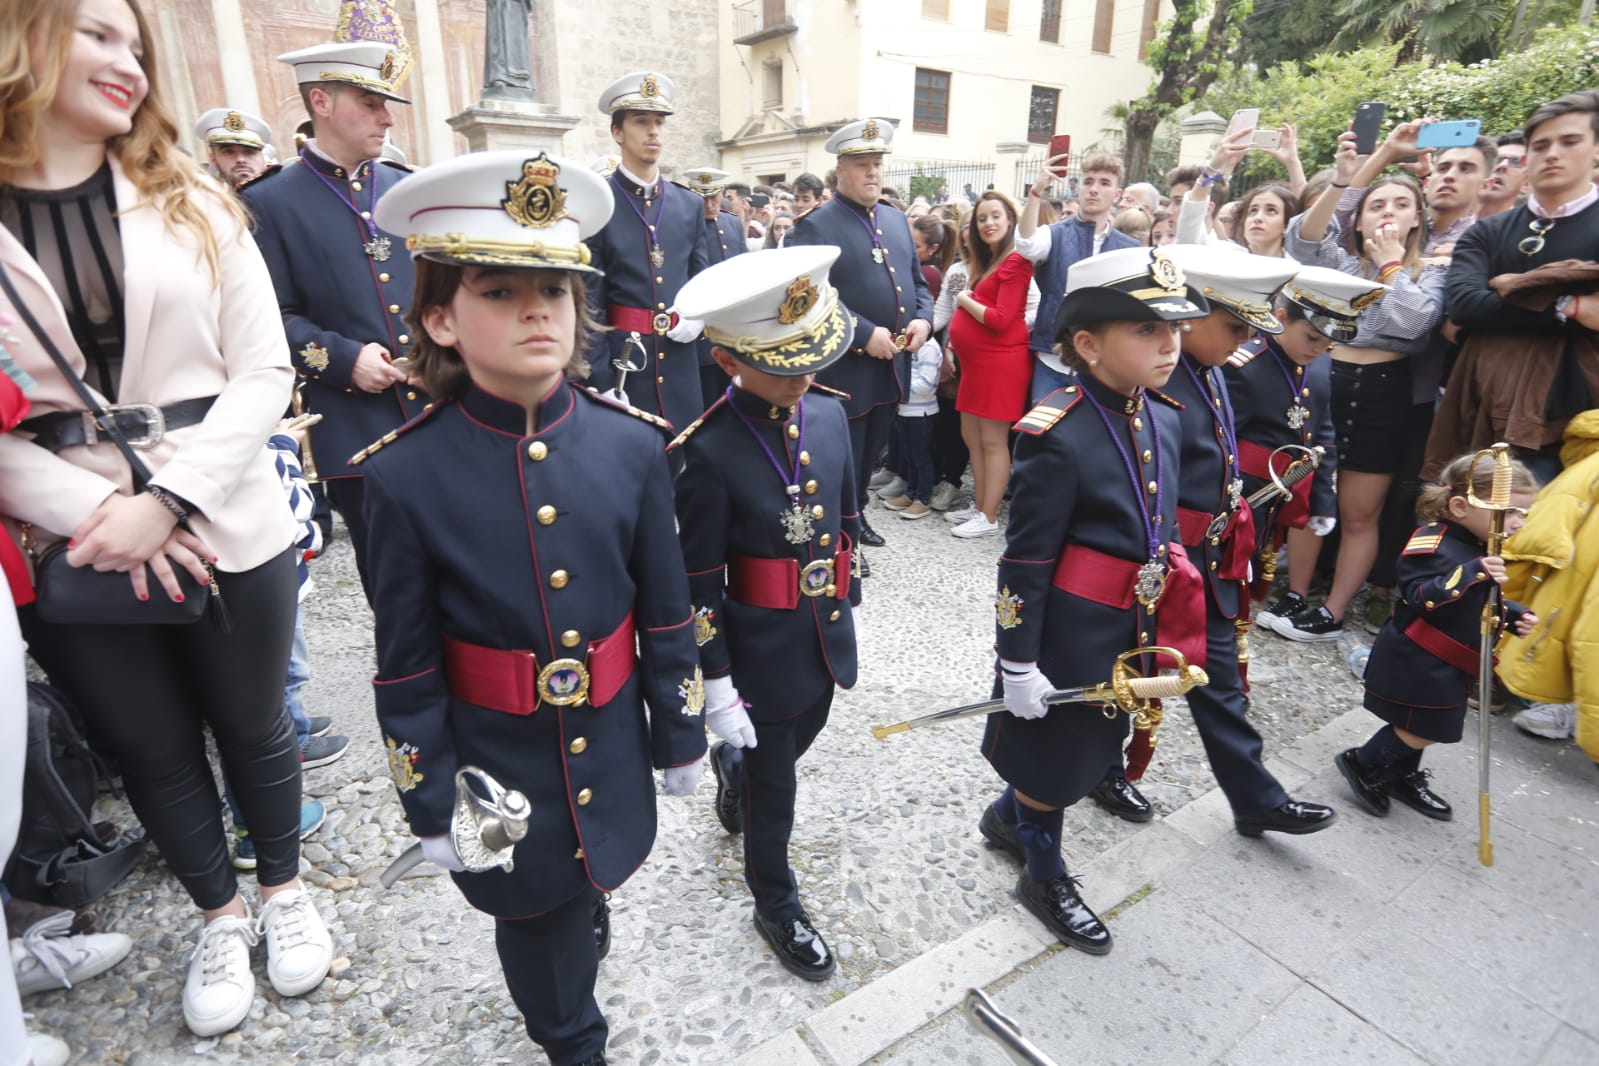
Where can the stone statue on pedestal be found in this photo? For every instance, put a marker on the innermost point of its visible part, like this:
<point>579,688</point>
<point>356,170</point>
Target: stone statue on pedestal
<point>507,62</point>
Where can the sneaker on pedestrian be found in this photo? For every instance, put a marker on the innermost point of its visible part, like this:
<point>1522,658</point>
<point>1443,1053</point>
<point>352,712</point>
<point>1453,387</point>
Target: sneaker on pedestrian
<point>312,815</point>
<point>47,957</point>
<point>894,488</point>
<point>976,526</point>
<point>299,947</point>
<point>962,514</point>
<point>881,478</point>
<point>944,496</point>
<point>1287,605</point>
<point>46,1050</point>
<point>1556,721</point>
<point>897,503</point>
<point>1379,608</point>
<point>220,987</point>
<point>1312,625</point>
<point>319,751</point>
<point>321,724</point>
<point>917,509</point>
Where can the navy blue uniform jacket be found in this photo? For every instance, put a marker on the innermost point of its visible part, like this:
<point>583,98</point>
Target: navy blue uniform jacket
<point>497,537</point>
<point>724,238</point>
<point>670,385</point>
<point>1262,384</point>
<point>335,298</point>
<point>891,294</point>
<point>1206,471</point>
<point>729,503</point>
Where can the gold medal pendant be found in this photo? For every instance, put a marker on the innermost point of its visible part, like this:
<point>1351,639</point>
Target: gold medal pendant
<point>1297,416</point>
<point>657,257</point>
<point>797,524</point>
<point>379,248</point>
<point>1151,582</point>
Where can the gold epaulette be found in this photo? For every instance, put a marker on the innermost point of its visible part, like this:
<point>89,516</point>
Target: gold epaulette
<point>1424,541</point>
<point>393,435</point>
<point>1048,411</point>
<point>697,423</point>
<point>1169,401</point>
<point>827,390</point>
<point>644,416</point>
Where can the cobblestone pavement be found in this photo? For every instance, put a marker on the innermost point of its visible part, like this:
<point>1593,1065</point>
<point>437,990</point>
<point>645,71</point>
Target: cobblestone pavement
<point>886,851</point>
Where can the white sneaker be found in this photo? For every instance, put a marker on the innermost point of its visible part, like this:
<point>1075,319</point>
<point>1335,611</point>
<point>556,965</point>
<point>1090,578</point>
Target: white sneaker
<point>47,1050</point>
<point>1557,721</point>
<point>976,526</point>
<point>299,948</point>
<point>943,496</point>
<point>881,478</point>
<point>894,488</point>
<point>964,514</point>
<point>47,957</point>
<point>220,987</point>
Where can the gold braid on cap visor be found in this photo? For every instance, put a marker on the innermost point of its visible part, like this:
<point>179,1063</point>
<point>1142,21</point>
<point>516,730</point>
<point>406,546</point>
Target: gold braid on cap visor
<point>497,253</point>
<point>799,348</point>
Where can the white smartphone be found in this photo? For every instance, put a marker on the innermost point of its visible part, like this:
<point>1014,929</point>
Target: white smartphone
<point>1268,140</point>
<point>1245,118</point>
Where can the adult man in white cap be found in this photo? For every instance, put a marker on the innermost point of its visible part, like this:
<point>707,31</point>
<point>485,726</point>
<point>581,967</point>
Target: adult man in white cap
<point>343,283</point>
<point>234,144</point>
<point>653,244</point>
<point>880,281</point>
<point>724,238</point>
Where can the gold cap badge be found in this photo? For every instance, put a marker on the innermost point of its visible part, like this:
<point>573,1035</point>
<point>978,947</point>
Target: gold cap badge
<point>869,131</point>
<point>536,200</point>
<point>234,123</point>
<point>649,88</point>
<point>1167,274</point>
<point>797,301</point>
<point>389,68</point>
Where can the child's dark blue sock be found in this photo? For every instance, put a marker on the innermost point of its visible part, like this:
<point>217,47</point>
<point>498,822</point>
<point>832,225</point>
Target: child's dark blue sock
<point>1039,833</point>
<point>1005,806</point>
<point>1381,754</point>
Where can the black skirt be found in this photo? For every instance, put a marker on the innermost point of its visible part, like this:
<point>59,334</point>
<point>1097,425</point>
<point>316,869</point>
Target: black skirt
<point>1443,725</point>
<point>1371,410</point>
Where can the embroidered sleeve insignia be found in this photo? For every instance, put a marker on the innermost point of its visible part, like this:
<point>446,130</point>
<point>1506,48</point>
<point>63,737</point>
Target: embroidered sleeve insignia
<point>1008,609</point>
<point>315,356</point>
<point>692,690</point>
<point>704,626</point>
<point>402,764</point>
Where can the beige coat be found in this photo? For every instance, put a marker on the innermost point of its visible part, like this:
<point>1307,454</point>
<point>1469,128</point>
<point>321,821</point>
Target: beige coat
<point>186,338</point>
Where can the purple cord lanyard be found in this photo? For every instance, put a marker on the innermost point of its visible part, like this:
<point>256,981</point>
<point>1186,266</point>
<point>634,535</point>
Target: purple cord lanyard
<point>1152,575</point>
<point>879,253</point>
<point>1297,414</point>
<point>376,246</point>
<point>1235,481</point>
<point>795,518</point>
<point>657,257</point>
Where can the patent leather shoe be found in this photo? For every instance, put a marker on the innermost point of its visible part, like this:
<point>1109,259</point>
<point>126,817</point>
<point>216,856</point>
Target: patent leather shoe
<point>594,1060</point>
<point>602,924</point>
<point>1121,797</point>
<point>1412,791</point>
<point>1000,834</point>
<point>729,811</point>
<point>1369,790</point>
<point>799,947</point>
<point>1294,817</point>
<point>1058,905</point>
<point>869,536</point>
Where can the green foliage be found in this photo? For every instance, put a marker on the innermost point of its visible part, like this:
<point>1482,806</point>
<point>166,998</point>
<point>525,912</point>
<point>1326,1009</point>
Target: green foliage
<point>1287,31</point>
<point>925,185</point>
<point>1446,29</point>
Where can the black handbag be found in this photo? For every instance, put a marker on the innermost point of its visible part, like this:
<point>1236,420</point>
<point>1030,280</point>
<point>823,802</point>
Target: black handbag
<point>81,595</point>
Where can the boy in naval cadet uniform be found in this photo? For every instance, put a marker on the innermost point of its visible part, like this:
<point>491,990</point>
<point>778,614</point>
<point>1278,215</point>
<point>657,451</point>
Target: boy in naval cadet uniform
<point>343,282</point>
<point>235,142</point>
<point>1280,387</point>
<point>653,244</point>
<point>724,238</point>
<point>880,280</point>
<point>1217,527</point>
<point>508,593</point>
<point>766,506</point>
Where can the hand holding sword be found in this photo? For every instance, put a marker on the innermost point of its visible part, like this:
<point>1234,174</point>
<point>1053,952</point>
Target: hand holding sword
<point>625,365</point>
<point>484,830</point>
<point>1497,505</point>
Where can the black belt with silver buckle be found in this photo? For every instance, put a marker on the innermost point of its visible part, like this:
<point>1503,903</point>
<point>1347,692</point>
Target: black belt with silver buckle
<point>144,424</point>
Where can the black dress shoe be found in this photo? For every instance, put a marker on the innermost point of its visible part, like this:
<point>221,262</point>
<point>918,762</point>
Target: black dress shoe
<point>602,925</point>
<point>1000,834</point>
<point>799,947</point>
<point>593,1060</point>
<point>1293,817</point>
<point>1121,797</point>
<point>728,810</point>
<point>866,566</point>
<point>1370,792</point>
<point>870,536</point>
<point>1412,791</point>
<point>1057,905</point>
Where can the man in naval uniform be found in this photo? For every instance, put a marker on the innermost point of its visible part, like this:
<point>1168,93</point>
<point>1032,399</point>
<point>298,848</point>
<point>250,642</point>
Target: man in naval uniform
<point>724,237</point>
<point>234,144</point>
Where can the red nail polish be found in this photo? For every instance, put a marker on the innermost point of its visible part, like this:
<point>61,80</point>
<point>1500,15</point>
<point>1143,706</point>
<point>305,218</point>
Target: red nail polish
<point>178,598</point>
<point>143,596</point>
<point>72,544</point>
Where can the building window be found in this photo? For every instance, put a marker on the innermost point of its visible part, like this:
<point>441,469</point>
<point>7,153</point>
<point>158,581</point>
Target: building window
<point>1041,114</point>
<point>1104,18</point>
<point>935,9</point>
<point>998,16</point>
<point>772,79</point>
<point>932,101</point>
<point>1049,22</point>
<point>1151,24</point>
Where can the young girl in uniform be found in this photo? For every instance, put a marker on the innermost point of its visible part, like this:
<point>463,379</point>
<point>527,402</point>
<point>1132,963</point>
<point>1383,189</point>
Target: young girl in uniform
<point>508,592</point>
<point>1089,570</point>
<point>1427,654</point>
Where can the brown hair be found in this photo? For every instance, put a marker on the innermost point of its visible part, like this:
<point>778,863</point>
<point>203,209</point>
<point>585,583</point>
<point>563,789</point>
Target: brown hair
<point>441,370</point>
<point>1291,207</point>
<point>1585,101</point>
<point>148,153</point>
<point>1104,163</point>
<point>979,260</point>
<point>1068,351</point>
<point>1433,503</point>
<point>1414,241</point>
<point>1135,223</point>
<point>940,232</point>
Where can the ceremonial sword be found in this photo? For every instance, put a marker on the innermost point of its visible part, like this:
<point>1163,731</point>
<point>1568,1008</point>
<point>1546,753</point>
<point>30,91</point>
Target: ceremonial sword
<point>484,830</point>
<point>1281,484</point>
<point>624,367</point>
<point>985,1019</point>
<point>1497,506</point>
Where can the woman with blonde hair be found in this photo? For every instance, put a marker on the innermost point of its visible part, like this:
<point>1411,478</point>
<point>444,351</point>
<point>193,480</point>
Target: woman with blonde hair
<point>132,281</point>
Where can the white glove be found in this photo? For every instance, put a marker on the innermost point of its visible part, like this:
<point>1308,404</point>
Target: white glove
<point>687,329</point>
<point>725,714</point>
<point>683,780</point>
<point>859,617</point>
<point>440,851</point>
<point>1025,689</point>
<point>617,396</point>
<point>1321,524</point>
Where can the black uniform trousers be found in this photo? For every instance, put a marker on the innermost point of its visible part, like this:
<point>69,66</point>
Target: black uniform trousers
<point>868,436</point>
<point>1221,714</point>
<point>551,963</point>
<point>768,786</point>
<point>348,494</point>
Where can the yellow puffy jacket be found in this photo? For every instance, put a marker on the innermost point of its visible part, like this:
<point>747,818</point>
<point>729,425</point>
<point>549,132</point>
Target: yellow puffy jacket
<point>1553,561</point>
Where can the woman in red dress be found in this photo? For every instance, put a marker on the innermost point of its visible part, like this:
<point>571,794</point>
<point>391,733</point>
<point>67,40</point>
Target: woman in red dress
<point>989,335</point>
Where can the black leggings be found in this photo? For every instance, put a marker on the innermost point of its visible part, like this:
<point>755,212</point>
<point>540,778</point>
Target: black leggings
<point>147,694</point>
